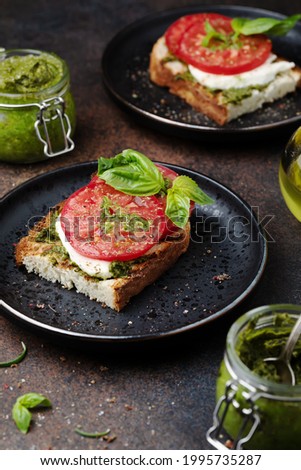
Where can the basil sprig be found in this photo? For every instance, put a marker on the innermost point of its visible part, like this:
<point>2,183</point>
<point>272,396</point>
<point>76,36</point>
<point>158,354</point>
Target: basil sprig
<point>211,33</point>
<point>183,190</point>
<point>247,27</point>
<point>20,412</point>
<point>133,173</point>
<point>269,26</point>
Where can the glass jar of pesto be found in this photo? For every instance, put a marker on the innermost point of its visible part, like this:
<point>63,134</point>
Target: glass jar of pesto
<point>37,111</point>
<point>254,410</point>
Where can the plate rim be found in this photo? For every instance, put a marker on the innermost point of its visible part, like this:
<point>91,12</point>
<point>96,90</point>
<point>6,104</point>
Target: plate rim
<point>92,338</point>
<point>178,125</point>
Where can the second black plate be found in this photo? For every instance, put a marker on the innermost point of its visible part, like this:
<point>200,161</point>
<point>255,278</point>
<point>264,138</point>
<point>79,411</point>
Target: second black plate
<point>125,73</point>
<point>224,262</point>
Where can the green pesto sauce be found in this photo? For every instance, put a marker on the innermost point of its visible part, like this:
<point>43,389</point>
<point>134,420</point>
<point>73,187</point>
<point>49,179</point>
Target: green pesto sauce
<point>112,213</point>
<point>25,80</point>
<point>255,344</point>
<point>236,95</point>
<point>30,73</point>
<point>231,96</point>
<point>57,252</point>
<point>185,76</point>
<point>49,234</point>
<point>120,268</point>
<point>169,58</point>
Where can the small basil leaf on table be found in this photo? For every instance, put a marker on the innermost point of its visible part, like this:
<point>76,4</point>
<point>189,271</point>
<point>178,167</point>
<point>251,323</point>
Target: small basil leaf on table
<point>20,413</point>
<point>21,417</point>
<point>32,400</point>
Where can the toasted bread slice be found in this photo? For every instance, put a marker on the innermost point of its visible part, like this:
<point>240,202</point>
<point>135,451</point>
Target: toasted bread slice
<point>167,71</point>
<point>42,252</point>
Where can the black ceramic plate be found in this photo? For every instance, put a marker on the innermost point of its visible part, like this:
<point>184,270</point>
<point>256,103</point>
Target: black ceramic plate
<point>225,239</point>
<point>125,74</point>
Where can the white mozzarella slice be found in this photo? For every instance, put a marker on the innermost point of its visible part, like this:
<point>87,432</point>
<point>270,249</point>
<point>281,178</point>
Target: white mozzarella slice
<point>93,267</point>
<point>262,75</point>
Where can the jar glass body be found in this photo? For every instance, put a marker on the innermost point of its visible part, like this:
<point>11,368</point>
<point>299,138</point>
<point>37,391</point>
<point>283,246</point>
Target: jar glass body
<point>49,112</point>
<point>252,411</point>
<point>290,174</point>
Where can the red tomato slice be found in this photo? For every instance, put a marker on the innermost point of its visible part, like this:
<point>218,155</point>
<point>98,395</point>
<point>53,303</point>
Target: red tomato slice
<point>249,53</point>
<point>103,223</point>
<point>176,30</point>
<point>167,172</point>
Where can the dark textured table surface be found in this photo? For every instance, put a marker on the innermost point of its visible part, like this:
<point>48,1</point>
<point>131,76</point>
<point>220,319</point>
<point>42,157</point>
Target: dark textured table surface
<point>157,395</point>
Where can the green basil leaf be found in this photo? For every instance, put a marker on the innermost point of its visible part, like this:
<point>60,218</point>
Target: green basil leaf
<point>177,207</point>
<point>108,163</point>
<point>210,34</point>
<point>257,26</point>
<point>20,413</point>
<point>264,25</point>
<point>187,186</point>
<point>285,26</point>
<point>132,173</point>
<point>32,400</point>
<point>21,417</point>
<point>238,23</point>
<point>131,181</point>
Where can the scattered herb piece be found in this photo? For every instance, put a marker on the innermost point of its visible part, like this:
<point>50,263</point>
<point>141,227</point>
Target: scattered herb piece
<point>17,359</point>
<point>111,213</point>
<point>110,439</point>
<point>211,33</point>
<point>92,434</point>
<point>20,412</point>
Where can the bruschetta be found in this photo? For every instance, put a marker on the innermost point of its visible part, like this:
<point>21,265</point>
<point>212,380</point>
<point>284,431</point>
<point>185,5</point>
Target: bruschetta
<point>204,59</point>
<point>118,233</point>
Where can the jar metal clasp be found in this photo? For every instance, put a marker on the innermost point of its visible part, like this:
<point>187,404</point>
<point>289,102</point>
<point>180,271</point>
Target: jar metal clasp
<point>250,418</point>
<point>50,110</point>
